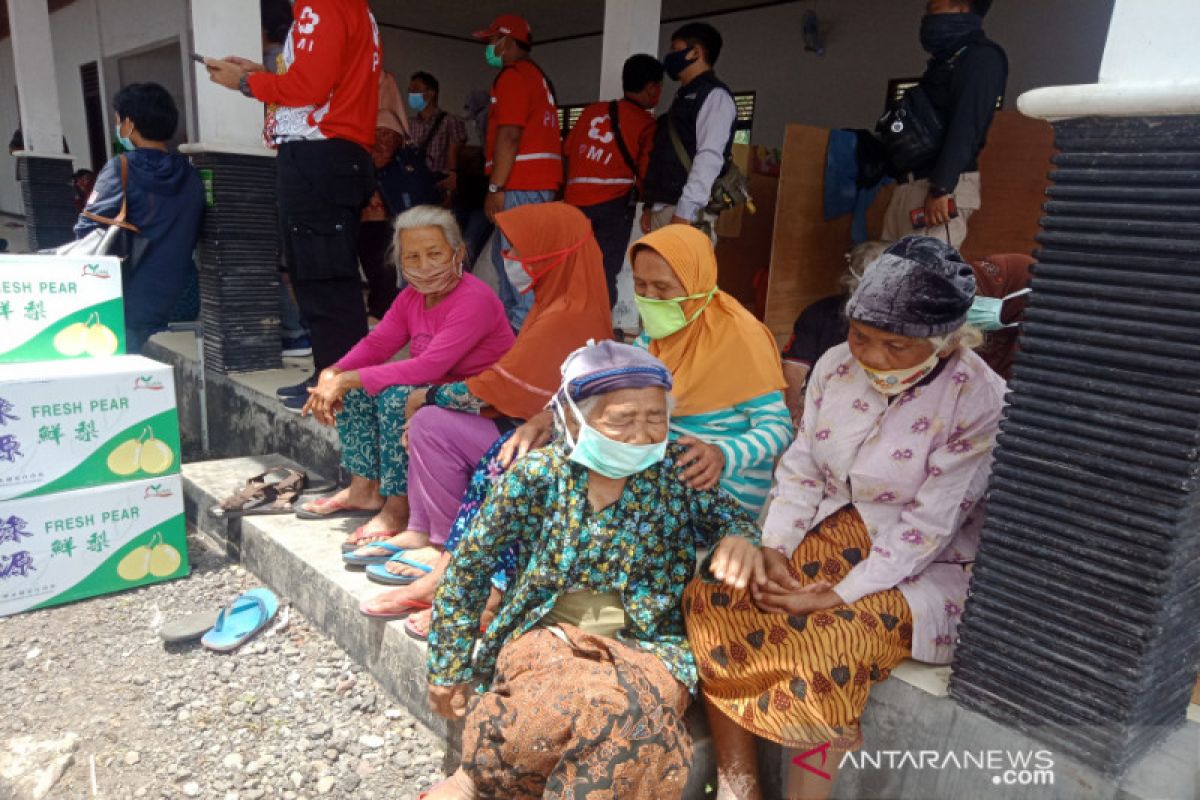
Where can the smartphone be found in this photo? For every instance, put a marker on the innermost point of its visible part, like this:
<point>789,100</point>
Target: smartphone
<point>199,59</point>
<point>917,215</point>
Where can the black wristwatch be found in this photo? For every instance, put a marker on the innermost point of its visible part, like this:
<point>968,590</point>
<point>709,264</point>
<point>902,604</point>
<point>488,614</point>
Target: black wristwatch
<point>244,85</point>
<point>938,191</point>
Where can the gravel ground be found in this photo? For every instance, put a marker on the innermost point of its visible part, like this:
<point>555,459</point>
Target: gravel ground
<point>287,716</point>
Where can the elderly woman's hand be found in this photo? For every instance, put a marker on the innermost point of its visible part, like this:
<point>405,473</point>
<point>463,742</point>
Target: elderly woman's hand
<point>530,436</point>
<point>416,399</point>
<point>776,577</point>
<point>737,562</point>
<point>450,702</point>
<point>325,399</point>
<point>796,602</point>
<point>702,464</point>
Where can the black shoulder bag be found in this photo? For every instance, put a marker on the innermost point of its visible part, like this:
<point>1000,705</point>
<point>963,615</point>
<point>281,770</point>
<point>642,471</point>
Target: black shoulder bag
<point>407,181</point>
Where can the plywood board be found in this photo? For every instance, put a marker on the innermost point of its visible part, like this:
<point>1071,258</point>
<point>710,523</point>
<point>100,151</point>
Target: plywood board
<point>740,259</point>
<point>1013,169</point>
<point>807,252</point>
<point>807,255</point>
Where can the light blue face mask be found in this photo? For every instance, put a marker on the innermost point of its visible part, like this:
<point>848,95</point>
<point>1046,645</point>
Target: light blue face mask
<point>416,101</point>
<point>597,452</point>
<point>984,312</point>
<point>125,141</point>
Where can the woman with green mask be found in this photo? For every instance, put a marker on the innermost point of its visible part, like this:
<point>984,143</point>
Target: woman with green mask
<point>730,412</point>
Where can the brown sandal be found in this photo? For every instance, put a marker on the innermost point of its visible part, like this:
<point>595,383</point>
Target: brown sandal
<point>272,492</point>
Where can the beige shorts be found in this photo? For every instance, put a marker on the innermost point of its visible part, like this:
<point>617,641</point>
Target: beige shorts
<point>897,222</point>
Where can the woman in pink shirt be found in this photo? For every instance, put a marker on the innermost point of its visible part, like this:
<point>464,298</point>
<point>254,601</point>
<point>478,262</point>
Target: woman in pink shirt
<point>454,327</point>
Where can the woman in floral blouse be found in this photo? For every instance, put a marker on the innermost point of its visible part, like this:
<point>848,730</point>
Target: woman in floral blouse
<point>585,672</point>
<point>872,530</point>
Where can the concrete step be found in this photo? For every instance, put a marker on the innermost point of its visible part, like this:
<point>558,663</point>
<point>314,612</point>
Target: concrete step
<point>301,561</point>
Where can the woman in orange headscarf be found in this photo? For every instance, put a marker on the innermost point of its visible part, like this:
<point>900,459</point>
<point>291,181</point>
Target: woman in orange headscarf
<point>729,405</point>
<point>453,425</point>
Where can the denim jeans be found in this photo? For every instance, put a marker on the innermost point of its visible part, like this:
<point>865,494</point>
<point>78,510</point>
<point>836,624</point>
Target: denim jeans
<point>516,306</point>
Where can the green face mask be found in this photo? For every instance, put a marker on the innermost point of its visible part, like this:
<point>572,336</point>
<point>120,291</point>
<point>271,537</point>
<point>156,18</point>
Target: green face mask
<point>493,59</point>
<point>661,318</point>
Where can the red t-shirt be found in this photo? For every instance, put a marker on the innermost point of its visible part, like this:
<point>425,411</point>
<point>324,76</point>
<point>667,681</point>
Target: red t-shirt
<point>331,87</point>
<point>522,97</point>
<point>596,170</point>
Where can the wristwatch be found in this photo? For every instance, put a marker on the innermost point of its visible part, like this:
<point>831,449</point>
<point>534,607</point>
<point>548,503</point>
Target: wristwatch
<point>938,191</point>
<point>244,85</point>
<point>493,188</point>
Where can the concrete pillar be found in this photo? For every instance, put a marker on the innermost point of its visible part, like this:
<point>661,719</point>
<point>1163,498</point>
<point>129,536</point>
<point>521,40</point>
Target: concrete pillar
<point>238,248</point>
<point>226,119</point>
<point>630,26</point>
<point>1080,629</point>
<point>37,87</point>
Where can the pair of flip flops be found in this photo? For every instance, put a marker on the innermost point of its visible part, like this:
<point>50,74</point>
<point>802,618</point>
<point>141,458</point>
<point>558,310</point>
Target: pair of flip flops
<point>360,558</point>
<point>272,492</point>
<point>378,573</point>
<point>328,508</point>
<point>229,628</point>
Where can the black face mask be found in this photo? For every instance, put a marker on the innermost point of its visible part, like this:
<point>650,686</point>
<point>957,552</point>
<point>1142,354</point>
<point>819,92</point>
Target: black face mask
<point>942,34</point>
<point>675,62</point>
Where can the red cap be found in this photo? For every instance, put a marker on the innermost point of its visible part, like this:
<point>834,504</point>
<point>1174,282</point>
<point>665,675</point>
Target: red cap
<point>507,25</point>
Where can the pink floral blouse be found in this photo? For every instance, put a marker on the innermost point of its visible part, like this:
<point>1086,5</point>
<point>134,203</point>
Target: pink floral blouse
<point>915,469</point>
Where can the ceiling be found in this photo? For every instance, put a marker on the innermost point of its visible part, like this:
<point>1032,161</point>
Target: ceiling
<point>551,20</point>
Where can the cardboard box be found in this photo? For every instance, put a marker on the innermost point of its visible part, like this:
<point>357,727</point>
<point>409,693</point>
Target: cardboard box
<point>59,548</point>
<point>60,307</point>
<point>70,424</point>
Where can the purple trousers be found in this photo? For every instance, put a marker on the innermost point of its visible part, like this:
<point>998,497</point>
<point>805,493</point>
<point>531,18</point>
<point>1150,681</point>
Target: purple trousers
<point>444,448</point>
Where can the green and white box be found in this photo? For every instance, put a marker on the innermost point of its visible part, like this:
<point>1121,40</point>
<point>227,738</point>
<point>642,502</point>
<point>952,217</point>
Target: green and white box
<point>60,307</point>
<point>59,548</point>
<point>70,424</point>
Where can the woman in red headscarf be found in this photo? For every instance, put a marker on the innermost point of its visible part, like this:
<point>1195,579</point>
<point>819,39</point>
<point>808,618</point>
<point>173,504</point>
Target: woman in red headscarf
<point>453,425</point>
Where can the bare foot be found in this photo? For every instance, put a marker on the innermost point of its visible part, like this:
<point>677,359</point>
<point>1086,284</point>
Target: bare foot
<point>361,493</point>
<point>407,540</point>
<point>393,516</point>
<point>422,555</point>
<point>419,623</point>
<point>421,590</point>
<point>458,786</point>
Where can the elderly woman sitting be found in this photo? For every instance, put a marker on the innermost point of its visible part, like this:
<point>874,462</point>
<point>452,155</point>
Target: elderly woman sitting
<point>585,671</point>
<point>873,527</point>
<point>454,327</point>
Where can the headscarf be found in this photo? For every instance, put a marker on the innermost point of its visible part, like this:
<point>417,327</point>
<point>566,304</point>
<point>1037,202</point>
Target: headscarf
<point>570,306</point>
<point>391,107</point>
<point>919,287</point>
<point>725,356</point>
<point>603,367</point>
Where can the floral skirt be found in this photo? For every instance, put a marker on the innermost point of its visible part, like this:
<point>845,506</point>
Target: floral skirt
<point>572,715</point>
<point>371,429</point>
<point>800,681</point>
<point>486,475</point>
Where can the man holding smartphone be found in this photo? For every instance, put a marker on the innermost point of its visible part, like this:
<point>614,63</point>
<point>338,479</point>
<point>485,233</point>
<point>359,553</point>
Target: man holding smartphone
<point>962,84</point>
<point>324,127</point>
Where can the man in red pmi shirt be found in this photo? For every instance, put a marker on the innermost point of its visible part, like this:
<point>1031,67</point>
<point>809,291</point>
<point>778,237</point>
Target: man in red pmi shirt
<point>324,126</point>
<point>524,146</point>
<point>604,172</point>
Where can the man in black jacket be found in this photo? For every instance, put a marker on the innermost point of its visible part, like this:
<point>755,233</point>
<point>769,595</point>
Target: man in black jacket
<point>964,81</point>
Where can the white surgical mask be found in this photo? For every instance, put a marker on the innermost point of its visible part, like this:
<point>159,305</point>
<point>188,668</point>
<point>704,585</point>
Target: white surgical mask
<point>597,452</point>
<point>518,277</point>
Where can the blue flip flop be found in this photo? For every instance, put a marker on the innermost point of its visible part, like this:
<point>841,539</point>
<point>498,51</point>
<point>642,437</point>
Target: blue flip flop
<point>241,619</point>
<point>379,573</point>
<point>355,560</point>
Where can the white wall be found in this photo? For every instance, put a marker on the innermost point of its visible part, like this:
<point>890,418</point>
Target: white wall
<point>125,26</point>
